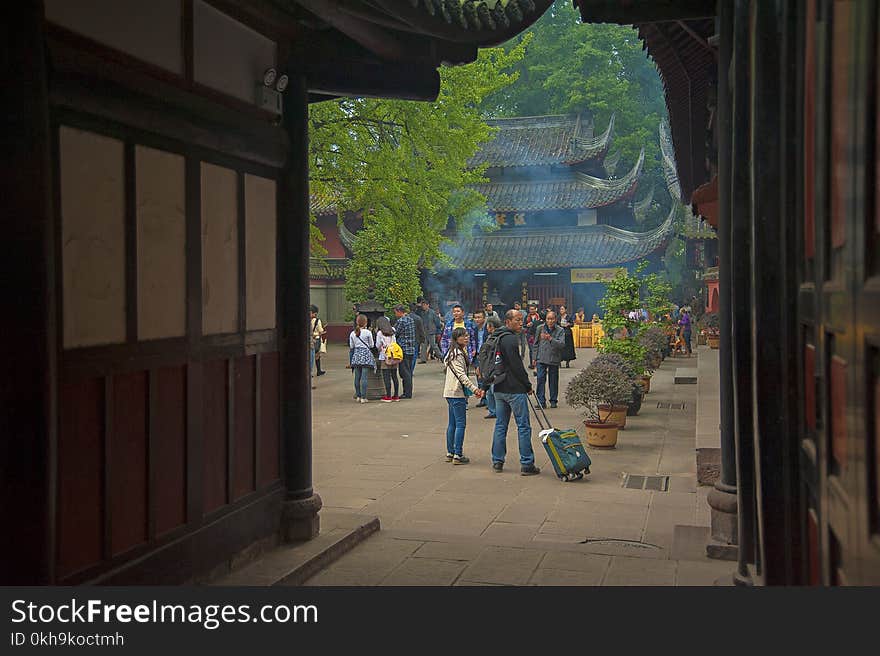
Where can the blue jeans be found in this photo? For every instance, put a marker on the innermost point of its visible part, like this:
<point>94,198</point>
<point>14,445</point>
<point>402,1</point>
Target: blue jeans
<point>490,400</point>
<point>361,376</point>
<point>518,404</point>
<point>551,372</point>
<point>456,425</point>
<point>415,357</point>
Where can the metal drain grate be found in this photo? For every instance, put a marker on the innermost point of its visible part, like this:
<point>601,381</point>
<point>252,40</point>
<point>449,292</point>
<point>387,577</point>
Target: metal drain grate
<point>664,405</point>
<point>636,482</point>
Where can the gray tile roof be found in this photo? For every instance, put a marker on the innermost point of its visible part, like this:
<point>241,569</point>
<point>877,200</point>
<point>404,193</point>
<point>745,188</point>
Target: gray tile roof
<point>556,248</point>
<point>581,191</point>
<point>542,141</point>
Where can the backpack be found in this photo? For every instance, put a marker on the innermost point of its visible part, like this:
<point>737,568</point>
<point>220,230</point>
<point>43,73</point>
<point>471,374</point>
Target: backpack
<point>492,368</point>
<point>393,354</point>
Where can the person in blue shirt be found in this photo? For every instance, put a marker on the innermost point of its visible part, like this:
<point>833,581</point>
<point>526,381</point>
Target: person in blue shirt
<point>458,321</point>
<point>405,331</point>
<point>482,334</point>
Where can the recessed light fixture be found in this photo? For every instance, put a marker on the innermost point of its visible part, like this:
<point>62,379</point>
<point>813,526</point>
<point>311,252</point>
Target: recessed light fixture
<point>479,275</point>
<point>546,274</point>
<point>269,76</point>
<point>281,85</point>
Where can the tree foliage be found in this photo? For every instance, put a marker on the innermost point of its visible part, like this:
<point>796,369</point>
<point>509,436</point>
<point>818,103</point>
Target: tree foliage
<point>624,293</point>
<point>404,165</point>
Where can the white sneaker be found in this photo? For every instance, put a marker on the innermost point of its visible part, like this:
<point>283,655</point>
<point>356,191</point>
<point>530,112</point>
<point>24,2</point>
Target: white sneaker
<point>357,399</point>
<point>363,400</point>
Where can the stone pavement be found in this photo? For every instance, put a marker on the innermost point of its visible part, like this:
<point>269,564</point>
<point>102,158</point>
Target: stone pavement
<point>443,524</point>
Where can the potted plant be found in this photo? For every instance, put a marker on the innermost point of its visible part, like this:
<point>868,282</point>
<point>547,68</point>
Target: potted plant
<point>632,374</point>
<point>713,333</point>
<point>600,385</point>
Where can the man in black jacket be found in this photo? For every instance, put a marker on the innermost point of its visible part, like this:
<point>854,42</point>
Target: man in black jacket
<point>511,386</point>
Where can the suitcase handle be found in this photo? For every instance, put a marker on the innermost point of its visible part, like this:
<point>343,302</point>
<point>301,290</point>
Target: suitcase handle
<point>535,410</point>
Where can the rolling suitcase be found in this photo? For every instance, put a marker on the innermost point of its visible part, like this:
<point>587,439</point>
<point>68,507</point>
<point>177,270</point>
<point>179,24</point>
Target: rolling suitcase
<point>567,454</point>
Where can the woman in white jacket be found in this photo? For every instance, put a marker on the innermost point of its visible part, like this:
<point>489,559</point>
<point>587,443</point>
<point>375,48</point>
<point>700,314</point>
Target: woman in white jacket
<point>457,381</point>
<point>385,337</point>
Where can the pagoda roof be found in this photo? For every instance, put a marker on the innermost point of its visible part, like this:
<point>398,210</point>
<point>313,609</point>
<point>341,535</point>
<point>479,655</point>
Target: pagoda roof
<point>555,248</point>
<point>327,268</point>
<point>542,141</point>
<point>322,204</point>
<point>582,191</point>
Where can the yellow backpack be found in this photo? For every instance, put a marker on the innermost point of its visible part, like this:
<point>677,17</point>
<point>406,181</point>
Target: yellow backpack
<point>393,354</point>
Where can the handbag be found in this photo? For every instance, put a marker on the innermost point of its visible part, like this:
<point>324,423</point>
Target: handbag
<point>373,349</point>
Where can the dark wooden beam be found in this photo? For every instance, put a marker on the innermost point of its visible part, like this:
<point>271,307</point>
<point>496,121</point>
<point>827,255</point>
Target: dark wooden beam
<point>369,78</point>
<point>28,383</point>
<point>627,12</point>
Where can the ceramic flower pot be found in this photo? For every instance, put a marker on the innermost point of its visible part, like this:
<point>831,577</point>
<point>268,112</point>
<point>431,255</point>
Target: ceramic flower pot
<point>614,414</point>
<point>602,435</point>
<point>636,404</point>
<point>714,341</point>
<point>646,383</point>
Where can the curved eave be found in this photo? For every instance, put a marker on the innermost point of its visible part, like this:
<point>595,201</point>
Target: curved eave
<point>346,236</point>
<point>620,187</point>
<point>470,22</point>
<point>557,249</point>
<point>640,207</point>
<point>591,149</point>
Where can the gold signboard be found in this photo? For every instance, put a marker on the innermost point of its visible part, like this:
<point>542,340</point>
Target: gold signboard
<point>593,275</point>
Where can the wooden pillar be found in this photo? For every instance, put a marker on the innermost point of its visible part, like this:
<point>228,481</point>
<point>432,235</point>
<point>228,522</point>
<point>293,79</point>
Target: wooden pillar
<point>27,391</point>
<point>300,513</point>
<point>740,292</point>
<point>723,499</point>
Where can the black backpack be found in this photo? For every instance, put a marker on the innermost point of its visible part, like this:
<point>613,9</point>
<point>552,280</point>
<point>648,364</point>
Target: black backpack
<point>491,363</point>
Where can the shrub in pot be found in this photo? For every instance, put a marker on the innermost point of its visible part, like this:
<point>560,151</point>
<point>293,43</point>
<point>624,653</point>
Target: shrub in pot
<point>632,373</point>
<point>600,385</point>
<point>712,329</point>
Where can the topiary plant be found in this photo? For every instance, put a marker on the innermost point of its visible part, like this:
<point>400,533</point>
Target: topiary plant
<point>617,360</point>
<point>597,384</point>
<point>654,339</point>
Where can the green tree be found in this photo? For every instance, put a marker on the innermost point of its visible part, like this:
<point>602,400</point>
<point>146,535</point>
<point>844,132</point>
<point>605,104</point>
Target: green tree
<point>404,165</point>
<point>600,69</point>
<point>624,293</point>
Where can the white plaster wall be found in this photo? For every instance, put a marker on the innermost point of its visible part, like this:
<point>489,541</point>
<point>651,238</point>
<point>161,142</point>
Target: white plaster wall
<point>92,238</point>
<point>259,199</point>
<point>219,250</point>
<point>149,31</point>
<point>161,243</point>
<point>227,55</point>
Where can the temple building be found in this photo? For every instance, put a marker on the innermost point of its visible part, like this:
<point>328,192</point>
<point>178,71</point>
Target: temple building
<point>563,222</point>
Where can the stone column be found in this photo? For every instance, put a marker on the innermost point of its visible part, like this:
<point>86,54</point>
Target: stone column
<point>722,499</point>
<point>299,520</point>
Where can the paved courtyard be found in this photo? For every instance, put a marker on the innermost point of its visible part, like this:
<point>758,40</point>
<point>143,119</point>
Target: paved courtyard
<point>443,524</point>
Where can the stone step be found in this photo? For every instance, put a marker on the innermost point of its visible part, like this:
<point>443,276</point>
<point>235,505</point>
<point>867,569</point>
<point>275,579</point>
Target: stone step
<point>293,564</point>
<point>686,376</point>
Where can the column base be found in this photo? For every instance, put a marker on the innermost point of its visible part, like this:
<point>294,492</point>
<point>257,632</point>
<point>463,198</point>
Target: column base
<point>299,519</point>
<point>724,533</point>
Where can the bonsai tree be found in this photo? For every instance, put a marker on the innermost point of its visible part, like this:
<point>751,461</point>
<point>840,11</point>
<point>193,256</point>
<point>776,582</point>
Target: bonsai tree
<point>617,360</point>
<point>632,374</point>
<point>711,324</point>
<point>654,339</point>
<point>597,384</point>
